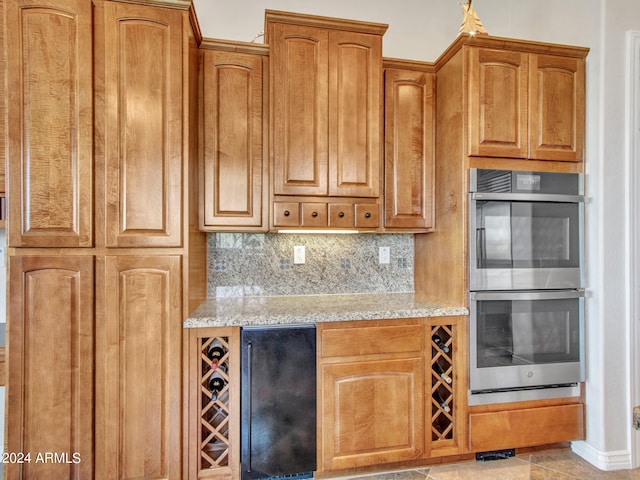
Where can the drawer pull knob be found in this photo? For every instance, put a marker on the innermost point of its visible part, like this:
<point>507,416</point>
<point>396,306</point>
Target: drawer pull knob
<point>314,214</point>
<point>287,213</point>
<point>341,214</point>
<point>367,215</point>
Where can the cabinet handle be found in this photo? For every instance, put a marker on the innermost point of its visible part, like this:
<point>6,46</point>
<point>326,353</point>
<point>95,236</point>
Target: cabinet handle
<point>250,408</point>
<point>341,214</point>
<point>314,214</point>
<point>367,215</point>
<point>287,213</point>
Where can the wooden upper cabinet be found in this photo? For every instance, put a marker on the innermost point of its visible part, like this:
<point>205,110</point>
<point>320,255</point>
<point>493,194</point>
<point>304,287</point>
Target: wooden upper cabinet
<point>50,375</point>
<point>326,92</point>
<point>498,103</point>
<point>233,188</point>
<point>409,149</point>
<point>141,62</point>
<point>526,105</point>
<point>50,123</point>
<point>556,108</point>
<point>299,90</point>
<point>355,114</point>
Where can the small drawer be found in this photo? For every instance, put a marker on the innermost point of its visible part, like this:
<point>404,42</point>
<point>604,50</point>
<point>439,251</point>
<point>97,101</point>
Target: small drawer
<point>314,215</point>
<point>371,340</point>
<point>341,215</point>
<point>526,427</point>
<point>286,214</point>
<point>367,215</point>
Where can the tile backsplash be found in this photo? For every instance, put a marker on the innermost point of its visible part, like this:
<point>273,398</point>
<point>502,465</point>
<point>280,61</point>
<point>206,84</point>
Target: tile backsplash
<point>262,264</point>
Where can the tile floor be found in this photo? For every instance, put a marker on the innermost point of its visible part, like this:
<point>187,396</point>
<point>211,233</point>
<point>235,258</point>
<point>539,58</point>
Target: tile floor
<point>544,465</point>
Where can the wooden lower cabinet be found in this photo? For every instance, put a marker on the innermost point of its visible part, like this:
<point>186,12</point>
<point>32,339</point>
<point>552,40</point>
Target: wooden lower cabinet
<point>138,367</point>
<point>391,391</point>
<point>371,412</point>
<point>370,393</point>
<point>50,366</point>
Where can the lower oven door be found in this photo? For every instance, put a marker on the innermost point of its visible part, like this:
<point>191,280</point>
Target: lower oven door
<point>524,340</point>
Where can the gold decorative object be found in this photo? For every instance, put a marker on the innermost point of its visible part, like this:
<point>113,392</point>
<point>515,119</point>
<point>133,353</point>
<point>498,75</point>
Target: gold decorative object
<point>471,23</point>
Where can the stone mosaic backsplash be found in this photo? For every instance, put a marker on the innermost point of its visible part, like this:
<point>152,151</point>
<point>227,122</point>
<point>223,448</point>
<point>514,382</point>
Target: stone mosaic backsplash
<point>262,264</point>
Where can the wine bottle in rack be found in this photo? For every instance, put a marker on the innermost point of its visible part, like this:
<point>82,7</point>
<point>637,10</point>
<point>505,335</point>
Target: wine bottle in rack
<point>440,371</point>
<point>215,352</point>
<point>440,344</point>
<point>438,398</point>
<point>216,380</point>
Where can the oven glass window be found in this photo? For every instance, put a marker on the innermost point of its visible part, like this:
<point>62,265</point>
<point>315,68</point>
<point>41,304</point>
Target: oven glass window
<point>527,235</point>
<point>527,332</point>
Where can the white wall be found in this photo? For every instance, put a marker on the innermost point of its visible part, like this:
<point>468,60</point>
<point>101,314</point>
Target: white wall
<point>421,30</point>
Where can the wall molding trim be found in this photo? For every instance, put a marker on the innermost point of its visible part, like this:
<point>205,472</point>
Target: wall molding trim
<point>616,460</point>
<point>632,163</point>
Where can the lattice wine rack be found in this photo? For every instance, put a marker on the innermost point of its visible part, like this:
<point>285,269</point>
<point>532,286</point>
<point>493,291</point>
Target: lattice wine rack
<point>442,382</point>
<point>214,402</point>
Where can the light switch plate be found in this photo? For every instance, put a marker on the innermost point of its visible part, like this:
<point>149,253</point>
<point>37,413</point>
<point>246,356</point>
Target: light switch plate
<point>298,255</point>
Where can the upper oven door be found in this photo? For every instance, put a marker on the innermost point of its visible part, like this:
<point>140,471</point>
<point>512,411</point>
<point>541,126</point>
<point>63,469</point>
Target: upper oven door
<point>525,241</point>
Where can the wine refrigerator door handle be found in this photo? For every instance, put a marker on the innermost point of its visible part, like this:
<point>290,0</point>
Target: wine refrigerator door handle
<point>249,378</point>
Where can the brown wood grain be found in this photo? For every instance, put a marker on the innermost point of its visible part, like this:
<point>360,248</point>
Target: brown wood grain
<point>409,149</point>
<point>50,130</point>
<point>526,427</point>
<point>50,364</point>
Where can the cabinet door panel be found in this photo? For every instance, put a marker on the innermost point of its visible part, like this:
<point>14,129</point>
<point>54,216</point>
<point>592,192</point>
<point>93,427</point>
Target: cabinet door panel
<point>299,61</point>
<point>50,129</point>
<point>498,103</point>
<point>139,375</point>
<point>372,412</point>
<point>143,137</point>
<point>232,162</point>
<point>409,149</point>
<point>50,387</point>
<point>355,95</point>
<point>557,108</point>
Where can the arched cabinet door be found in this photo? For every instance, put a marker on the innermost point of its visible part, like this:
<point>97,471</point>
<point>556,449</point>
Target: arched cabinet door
<point>50,374</point>
<point>556,108</point>
<point>138,367</point>
<point>139,118</point>
<point>233,181</point>
<point>498,92</point>
<point>50,123</point>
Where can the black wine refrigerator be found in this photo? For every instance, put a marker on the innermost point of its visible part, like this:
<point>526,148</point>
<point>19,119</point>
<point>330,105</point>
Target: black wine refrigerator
<point>278,402</point>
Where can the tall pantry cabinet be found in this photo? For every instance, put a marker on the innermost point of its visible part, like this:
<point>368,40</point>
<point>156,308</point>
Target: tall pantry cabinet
<point>101,249</point>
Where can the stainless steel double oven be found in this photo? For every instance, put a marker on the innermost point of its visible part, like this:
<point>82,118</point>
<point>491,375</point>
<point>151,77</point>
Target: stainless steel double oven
<point>526,296</point>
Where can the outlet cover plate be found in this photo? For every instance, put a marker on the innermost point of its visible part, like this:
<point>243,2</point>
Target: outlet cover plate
<point>298,255</point>
<point>384,255</point>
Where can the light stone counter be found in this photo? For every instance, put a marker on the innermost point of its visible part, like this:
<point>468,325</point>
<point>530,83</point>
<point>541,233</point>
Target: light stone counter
<point>306,309</point>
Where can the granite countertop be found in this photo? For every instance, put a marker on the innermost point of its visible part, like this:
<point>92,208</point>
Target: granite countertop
<point>311,309</point>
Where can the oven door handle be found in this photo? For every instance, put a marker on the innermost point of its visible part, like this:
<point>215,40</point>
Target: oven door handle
<point>528,197</point>
<point>531,295</point>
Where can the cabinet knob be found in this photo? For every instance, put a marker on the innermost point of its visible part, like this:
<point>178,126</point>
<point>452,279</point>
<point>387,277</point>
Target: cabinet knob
<point>314,214</point>
<point>341,214</point>
<point>287,213</point>
<point>367,215</point>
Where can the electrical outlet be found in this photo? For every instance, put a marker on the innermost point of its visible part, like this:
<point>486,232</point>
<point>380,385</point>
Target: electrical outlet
<point>298,255</point>
<point>384,255</point>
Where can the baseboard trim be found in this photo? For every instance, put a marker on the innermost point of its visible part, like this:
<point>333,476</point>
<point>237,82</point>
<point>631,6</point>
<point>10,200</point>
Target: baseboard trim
<point>616,460</point>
